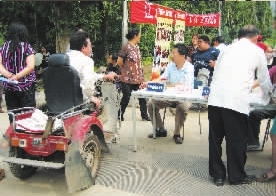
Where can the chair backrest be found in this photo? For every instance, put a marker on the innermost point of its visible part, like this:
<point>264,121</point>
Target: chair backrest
<point>61,84</point>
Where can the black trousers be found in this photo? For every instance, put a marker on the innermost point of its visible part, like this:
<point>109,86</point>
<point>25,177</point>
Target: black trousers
<point>254,123</point>
<point>1,94</point>
<point>233,126</point>
<point>126,90</point>
<point>19,99</point>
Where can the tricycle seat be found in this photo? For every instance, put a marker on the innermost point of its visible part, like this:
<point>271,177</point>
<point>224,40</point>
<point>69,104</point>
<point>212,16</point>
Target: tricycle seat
<point>61,84</point>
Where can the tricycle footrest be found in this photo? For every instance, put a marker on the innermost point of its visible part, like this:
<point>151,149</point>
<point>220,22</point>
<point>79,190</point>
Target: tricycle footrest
<point>33,163</point>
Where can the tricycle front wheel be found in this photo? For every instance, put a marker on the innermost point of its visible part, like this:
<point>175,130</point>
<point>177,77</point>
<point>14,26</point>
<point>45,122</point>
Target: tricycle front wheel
<point>91,153</point>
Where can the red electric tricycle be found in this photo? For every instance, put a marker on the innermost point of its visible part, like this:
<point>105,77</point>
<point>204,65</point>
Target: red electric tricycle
<point>65,132</point>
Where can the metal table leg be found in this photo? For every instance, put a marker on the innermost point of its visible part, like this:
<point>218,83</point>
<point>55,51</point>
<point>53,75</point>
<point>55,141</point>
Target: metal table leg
<point>134,124</point>
<point>153,120</point>
<point>199,121</point>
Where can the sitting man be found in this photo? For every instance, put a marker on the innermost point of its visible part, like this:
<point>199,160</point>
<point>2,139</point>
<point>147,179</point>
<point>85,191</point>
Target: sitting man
<point>112,64</point>
<point>175,72</point>
<point>256,116</point>
<point>80,58</point>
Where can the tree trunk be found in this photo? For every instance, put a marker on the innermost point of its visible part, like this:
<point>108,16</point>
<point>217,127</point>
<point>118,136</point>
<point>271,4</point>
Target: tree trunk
<point>62,41</point>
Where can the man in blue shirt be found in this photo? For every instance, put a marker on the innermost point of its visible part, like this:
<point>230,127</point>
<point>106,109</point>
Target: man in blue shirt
<point>177,72</point>
<point>204,60</point>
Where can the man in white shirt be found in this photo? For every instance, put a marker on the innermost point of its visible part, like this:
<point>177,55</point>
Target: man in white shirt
<point>228,105</point>
<point>79,55</point>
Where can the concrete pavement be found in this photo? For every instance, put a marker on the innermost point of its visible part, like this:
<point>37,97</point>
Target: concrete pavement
<point>158,168</point>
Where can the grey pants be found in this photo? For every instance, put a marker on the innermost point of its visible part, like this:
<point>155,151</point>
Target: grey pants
<point>182,109</point>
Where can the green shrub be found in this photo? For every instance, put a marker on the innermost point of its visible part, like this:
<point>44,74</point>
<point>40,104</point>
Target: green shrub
<point>147,61</point>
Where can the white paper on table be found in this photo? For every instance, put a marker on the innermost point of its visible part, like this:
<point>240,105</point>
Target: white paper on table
<point>195,93</point>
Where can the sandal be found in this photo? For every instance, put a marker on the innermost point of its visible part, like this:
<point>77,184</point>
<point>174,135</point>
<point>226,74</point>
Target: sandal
<point>267,177</point>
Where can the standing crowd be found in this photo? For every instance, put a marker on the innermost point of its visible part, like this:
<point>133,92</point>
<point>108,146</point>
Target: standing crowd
<point>230,71</point>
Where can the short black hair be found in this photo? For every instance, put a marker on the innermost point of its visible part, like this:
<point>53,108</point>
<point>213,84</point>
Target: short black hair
<point>131,33</point>
<point>219,39</point>
<point>78,28</point>
<point>78,40</point>
<point>205,38</point>
<point>182,49</point>
<point>114,56</point>
<point>213,41</point>
<point>248,31</point>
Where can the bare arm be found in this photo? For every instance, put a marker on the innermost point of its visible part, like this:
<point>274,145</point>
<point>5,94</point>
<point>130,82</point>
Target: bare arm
<point>120,61</point>
<point>3,71</point>
<point>255,84</point>
<point>212,63</point>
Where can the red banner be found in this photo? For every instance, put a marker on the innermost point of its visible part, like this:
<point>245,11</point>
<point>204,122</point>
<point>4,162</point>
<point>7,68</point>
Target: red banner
<point>208,20</point>
<point>146,12</point>
<point>143,12</point>
<point>164,12</point>
<point>179,15</point>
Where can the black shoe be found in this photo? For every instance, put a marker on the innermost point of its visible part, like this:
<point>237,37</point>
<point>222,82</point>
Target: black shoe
<point>177,139</point>
<point>146,118</point>
<point>120,116</point>
<point>247,180</point>
<point>219,182</point>
<point>159,133</point>
<point>121,119</point>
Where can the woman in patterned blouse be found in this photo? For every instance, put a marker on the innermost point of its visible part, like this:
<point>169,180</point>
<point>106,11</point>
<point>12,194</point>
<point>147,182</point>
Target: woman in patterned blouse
<point>129,59</point>
<point>17,63</point>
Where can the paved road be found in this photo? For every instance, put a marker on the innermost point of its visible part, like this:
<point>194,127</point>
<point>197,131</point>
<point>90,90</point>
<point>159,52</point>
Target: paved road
<point>159,167</point>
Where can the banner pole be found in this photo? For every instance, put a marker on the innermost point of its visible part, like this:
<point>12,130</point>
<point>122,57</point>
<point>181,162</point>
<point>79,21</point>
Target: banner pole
<point>124,22</point>
<point>219,30</point>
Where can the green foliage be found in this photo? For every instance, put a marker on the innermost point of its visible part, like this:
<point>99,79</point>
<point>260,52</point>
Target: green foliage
<point>103,21</point>
<point>147,61</point>
<point>1,40</point>
<point>236,15</point>
<point>147,39</point>
<point>272,40</point>
<point>1,35</point>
